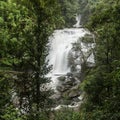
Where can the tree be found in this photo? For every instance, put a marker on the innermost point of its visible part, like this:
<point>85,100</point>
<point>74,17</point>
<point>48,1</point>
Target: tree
<point>27,25</point>
<point>69,9</point>
<point>35,66</point>
<point>100,86</point>
<point>13,23</point>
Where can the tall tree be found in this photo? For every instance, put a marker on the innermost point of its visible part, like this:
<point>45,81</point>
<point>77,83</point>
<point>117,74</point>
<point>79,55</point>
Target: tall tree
<point>44,15</point>
<point>12,23</point>
<point>27,25</point>
<point>101,85</point>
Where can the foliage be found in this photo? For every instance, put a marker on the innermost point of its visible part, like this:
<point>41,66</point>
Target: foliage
<point>101,90</point>
<point>86,8</point>
<point>69,10</point>
<point>66,114</point>
<point>25,30</point>
<point>5,92</point>
<point>11,113</point>
<point>11,39</point>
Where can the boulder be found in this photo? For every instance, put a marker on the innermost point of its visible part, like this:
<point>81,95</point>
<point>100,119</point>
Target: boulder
<point>62,78</point>
<point>74,94</point>
<point>62,88</point>
<point>69,74</point>
<point>68,82</point>
<point>56,96</point>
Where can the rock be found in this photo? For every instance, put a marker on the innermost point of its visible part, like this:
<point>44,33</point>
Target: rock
<point>73,103</point>
<point>77,75</point>
<point>69,74</point>
<point>80,97</point>
<point>62,78</point>
<point>90,64</point>
<point>66,102</point>
<point>68,82</point>
<point>68,89</point>
<point>56,96</point>
<point>68,86</point>
<point>76,99</point>
<point>73,94</point>
<point>62,88</point>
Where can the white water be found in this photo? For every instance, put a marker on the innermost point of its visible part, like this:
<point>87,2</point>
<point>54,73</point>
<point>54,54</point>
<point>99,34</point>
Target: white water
<point>61,44</point>
<point>60,47</point>
<point>78,19</point>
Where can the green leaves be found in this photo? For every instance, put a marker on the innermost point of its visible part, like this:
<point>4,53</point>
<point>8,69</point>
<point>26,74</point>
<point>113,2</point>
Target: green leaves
<point>69,9</point>
<point>101,86</point>
<point>26,27</point>
<point>12,113</point>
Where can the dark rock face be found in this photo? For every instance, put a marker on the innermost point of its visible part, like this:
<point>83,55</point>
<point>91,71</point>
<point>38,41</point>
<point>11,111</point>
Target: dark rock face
<point>68,90</point>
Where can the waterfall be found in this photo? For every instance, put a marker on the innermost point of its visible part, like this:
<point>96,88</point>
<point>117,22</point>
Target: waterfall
<point>60,46</point>
<point>61,52</point>
<point>78,20</point>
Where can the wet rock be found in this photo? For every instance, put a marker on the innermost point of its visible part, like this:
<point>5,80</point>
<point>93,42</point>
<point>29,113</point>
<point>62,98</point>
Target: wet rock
<point>56,96</point>
<point>73,94</point>
<point>90,64</point>
<point>76,99</point>
<point>68,86</point>
<point>68,82</point>
<point>61,78</point>
<point>62,88</point>
<point>80,97</point>
<point>69,74</point>
<point>66,102</point>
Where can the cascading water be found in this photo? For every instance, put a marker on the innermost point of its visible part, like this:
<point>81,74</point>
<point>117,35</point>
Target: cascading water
<point>78,19</point>
<point>61,44</point>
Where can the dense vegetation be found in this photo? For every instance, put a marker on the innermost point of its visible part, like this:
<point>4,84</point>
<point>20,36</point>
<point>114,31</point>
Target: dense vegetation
<point>102,101</point>
<point>25,28</point>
